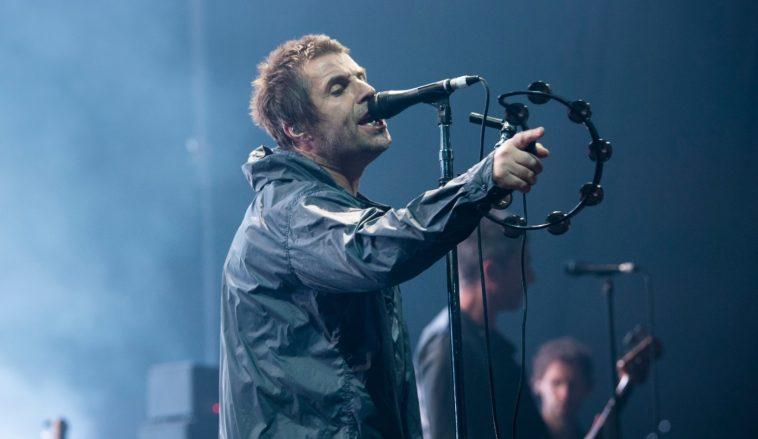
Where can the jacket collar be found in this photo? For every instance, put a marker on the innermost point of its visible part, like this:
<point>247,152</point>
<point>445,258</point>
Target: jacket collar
<point>265,165</point>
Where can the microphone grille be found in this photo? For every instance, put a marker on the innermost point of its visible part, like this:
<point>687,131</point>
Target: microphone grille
<point>570,267</point>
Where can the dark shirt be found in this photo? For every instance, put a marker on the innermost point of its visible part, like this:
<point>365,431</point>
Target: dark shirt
<point>434,376</point>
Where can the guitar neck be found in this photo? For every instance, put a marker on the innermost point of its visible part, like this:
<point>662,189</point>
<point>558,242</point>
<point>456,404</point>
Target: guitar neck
<point>631,368</point>
<point>601,419</point>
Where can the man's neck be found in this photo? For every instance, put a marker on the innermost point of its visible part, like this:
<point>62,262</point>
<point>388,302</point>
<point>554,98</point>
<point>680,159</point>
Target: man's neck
<point>561,427</point>
<point>348,182</point>
<point>471,303</point>
<point>347,178</point>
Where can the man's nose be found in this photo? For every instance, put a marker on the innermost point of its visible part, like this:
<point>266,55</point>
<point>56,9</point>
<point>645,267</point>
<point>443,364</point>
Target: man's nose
<point>562,392</point>
<point>366,92</point>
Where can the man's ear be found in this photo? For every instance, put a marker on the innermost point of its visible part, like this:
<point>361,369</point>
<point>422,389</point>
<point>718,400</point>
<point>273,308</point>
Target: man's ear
<point>299,138</point>
<point>535,384</point>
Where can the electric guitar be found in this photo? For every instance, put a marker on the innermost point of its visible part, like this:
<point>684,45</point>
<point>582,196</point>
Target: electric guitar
<point>632,368</point>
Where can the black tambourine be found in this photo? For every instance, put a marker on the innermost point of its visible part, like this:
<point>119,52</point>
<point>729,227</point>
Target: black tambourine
<point>516,116</point>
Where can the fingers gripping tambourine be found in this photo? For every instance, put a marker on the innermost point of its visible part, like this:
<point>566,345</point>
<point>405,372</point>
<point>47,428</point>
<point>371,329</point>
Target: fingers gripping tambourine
<point>516,116</point>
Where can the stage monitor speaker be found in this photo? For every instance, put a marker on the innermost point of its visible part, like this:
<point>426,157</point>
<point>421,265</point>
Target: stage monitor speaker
<point>182,391</point>
<point>180,429</point>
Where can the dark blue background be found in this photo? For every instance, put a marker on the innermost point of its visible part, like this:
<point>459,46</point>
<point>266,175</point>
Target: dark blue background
<point>114,226</point>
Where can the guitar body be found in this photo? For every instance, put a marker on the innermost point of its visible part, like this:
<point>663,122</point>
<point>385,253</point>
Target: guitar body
<point>632,368</point>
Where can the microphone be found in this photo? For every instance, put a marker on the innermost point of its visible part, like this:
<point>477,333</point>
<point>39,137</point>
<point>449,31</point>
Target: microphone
<point>581,268</point>
<point>386,104</point>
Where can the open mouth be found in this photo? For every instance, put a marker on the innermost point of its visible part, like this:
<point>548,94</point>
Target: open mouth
<point>367,120</point>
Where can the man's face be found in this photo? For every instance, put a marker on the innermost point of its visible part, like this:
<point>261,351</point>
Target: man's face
<point>340,92</point>
<point>562,389</point>
<point>504,283</point>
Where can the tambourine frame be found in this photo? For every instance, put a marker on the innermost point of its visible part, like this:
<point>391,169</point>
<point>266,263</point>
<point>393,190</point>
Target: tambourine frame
<point>591,193</point>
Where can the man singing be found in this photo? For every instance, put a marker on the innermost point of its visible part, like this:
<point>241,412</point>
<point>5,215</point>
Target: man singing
<point>313,341</point>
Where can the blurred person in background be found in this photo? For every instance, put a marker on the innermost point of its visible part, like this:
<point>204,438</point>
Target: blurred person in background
<point>562,379</point>
<point>502,274</point>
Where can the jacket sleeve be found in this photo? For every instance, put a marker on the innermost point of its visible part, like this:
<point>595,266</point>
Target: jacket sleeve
<point>334,245</point>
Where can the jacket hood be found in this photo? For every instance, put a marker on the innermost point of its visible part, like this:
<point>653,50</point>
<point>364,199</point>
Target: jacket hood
<point>265,165</point>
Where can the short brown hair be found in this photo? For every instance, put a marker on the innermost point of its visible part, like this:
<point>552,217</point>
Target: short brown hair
<point>280,92</point>
<point>566,350</point>
<point>495,246</point>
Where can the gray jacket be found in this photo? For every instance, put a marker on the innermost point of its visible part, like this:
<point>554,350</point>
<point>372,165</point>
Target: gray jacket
<point>313,342</point>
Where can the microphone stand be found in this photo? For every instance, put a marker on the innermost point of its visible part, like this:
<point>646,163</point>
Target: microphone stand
<point>608,289</point>
<point>444,120</point>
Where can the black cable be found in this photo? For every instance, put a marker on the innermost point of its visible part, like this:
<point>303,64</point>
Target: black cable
<point>484,118</point>
<point>522,375</point>
<point>493,403</point>
<point>656,398</point>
